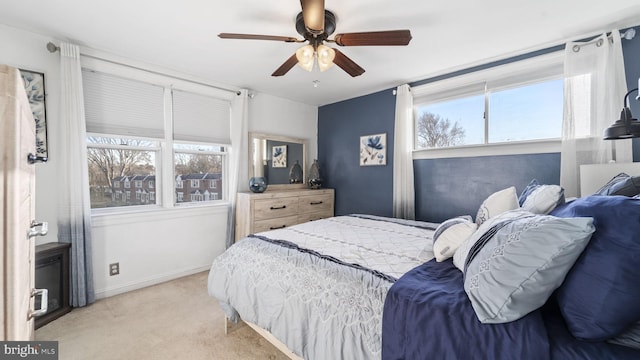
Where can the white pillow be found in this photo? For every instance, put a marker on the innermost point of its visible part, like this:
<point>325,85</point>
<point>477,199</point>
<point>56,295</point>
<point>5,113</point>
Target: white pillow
<point>497,203</point>
<point>543,199</point>
<point>449,235</point>
<point>460,256</point>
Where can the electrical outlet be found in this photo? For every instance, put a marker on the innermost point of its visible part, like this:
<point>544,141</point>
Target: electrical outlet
<point>114,269</point>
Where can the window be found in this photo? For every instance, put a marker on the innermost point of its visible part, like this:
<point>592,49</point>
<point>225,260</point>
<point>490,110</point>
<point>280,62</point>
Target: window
<point>212,184</point>
<point>202,162</point>
<point>111,161</point>
<point>516,102</point>
<point>133,125</point>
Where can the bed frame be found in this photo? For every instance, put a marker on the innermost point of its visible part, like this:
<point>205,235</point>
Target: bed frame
<point>229,327</point>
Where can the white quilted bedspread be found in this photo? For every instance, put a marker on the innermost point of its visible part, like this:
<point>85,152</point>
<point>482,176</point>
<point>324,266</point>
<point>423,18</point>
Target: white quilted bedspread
<point>374,243</point>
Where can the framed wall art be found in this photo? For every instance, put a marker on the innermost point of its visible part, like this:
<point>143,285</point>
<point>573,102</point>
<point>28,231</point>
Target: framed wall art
<point>279,156</point>
<point>34,86</point>
<point>373,150</point>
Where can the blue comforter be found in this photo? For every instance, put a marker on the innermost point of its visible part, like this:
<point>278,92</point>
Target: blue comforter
<point>427,315</point>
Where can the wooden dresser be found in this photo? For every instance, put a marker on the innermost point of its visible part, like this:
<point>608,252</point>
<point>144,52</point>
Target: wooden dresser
<point>257,212</point>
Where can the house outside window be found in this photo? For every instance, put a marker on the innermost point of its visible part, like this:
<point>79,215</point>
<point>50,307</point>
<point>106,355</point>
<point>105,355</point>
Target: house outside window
<point>212,184</point>
<point>110,155</point>
<point>151,184</point>
<point>201,165</point>
<point>180,196</point>
<point>518,102</point>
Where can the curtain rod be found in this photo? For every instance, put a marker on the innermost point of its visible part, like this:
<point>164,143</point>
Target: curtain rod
<point>53,48</point>
<point>628,35</point>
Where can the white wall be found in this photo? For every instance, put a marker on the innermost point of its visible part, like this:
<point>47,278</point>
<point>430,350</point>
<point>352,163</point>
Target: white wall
<point>273,115</point>
<point>151,246</point>
<point>25,50</point>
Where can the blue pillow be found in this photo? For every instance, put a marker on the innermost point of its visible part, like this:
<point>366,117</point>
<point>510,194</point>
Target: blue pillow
<point>600,296</point>
<point>527,191</point>
<point>606,188</point>
<point>627,187</point>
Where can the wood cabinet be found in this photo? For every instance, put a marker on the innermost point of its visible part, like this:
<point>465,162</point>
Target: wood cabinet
<point>257,212</point>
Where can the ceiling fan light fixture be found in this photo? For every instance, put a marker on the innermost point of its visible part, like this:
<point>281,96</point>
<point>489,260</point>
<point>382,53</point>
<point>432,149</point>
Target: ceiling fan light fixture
<point>325,56</point>
<point>305,56</point>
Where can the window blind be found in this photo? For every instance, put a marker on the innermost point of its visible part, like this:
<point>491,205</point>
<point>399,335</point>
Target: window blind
<point>119,106</point>
<point>201,118</point>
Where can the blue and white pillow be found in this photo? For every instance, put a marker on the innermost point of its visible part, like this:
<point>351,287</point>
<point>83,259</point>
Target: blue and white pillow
<point>629,186</point>
<point>519,263</point>
<point>541,199</point>
<point>450,234</point>
<point>606,188</point>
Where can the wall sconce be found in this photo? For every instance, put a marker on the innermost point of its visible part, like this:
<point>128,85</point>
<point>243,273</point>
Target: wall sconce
<point>626,127</point>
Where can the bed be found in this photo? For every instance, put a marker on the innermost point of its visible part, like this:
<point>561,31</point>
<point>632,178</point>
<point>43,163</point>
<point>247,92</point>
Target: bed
<point>369,287</point>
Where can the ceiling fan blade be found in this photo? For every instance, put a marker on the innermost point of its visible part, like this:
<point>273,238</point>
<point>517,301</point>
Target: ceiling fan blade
<point>347,64</point>
<point>373,38</point>
<point>288,65</point>
<point>258,37</point>
<point>313,15</point>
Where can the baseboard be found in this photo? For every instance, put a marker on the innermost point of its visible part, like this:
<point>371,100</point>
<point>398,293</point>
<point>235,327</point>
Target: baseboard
<point>105,293</point>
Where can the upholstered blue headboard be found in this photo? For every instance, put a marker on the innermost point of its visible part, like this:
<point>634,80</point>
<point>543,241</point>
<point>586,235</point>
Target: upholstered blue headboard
<point>446,188</point>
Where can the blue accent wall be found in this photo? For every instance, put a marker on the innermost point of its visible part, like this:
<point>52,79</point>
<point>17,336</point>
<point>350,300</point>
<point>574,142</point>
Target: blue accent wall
<point>358,189</point>
<point>444,187</point>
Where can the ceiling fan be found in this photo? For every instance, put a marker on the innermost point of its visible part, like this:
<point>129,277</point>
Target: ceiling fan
<point>315,24</point>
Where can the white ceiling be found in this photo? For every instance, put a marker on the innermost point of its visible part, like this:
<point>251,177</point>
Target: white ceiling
<point>181,35</point>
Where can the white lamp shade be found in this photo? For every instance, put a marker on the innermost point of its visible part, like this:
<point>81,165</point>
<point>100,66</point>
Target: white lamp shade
<point>325,57</point>
<point>305,57</point>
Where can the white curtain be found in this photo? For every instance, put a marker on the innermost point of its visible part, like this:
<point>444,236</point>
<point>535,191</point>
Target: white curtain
<point>594,87</point>
<point>239,164</point>
<point>74,213</point>
<point>403,188</point>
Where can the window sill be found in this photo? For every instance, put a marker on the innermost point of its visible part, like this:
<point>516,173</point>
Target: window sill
<point>154,213</point>
<point>512,148</point>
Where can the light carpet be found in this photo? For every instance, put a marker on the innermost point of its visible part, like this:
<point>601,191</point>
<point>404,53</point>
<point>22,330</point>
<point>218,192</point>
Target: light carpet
<point>173,320</point>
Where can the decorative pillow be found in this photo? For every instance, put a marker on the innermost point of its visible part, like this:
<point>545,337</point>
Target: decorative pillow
<point>527,191</point>
<point>627,187</point>
<point>605,189</point>
<point>541,199</point>
<point>497,203</point>
<point>600,296</point>
<point>515,269</point>
<point>449,235</point>
<point>460,256</point>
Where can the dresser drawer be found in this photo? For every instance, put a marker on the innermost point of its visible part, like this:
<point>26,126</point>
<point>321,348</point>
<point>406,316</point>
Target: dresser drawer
<point>302,218</point>
<point>272,224</point>
<point>275,208</point>
<point>316,203</point>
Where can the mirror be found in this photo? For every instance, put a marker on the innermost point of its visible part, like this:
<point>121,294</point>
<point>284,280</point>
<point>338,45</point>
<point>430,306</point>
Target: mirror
<point>272,156</point>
